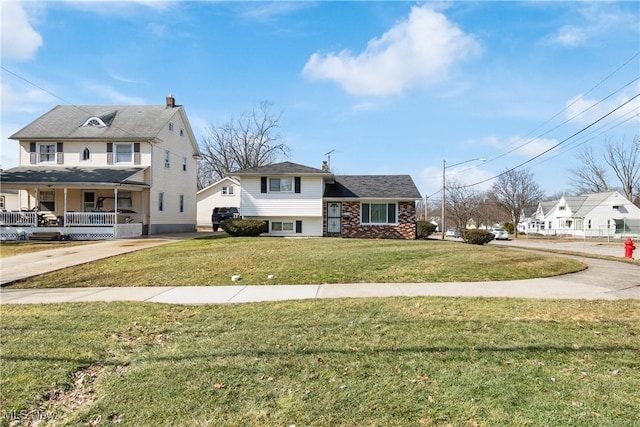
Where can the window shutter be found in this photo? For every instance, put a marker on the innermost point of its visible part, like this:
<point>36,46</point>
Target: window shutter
<point>297,184</point>
<point>59,153</point>
<point>298,226</point>
<point>109,153</point>
<point>364,214</point>
<point>266,221</point>
<point>136,153</point>
<point>263,184</point>
<point>33,154</point>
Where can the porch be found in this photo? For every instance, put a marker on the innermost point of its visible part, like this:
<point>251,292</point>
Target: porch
<point>71,225</point>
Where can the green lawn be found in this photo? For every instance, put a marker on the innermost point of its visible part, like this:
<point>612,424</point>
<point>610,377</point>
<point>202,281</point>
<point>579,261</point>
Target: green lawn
<point>375,362</point>
<point>212,261</point>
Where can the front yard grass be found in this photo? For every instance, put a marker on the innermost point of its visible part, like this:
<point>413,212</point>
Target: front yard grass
<point>212,261</point>
<point>385,361</point>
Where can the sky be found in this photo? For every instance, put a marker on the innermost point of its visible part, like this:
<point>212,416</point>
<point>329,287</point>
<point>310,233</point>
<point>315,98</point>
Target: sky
<point>385,87</point>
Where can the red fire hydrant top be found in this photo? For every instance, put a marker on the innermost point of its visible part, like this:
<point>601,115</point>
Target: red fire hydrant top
<point>629,247</point>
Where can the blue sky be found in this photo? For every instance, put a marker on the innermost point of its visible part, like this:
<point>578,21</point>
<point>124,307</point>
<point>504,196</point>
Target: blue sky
<point>392,87</point>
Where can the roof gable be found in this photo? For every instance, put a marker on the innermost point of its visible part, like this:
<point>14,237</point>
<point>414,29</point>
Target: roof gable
<point>226,180</point>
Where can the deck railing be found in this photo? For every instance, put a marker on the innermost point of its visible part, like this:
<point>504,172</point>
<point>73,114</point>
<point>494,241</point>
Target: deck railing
<point>21,219</point>
<point>90,219</point>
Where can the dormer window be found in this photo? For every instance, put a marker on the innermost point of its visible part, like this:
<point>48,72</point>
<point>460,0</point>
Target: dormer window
<point>95,122</point>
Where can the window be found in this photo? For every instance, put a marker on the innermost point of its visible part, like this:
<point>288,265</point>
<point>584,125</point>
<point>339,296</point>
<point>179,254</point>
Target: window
<point>124,153</point>
<point>378,213</point>
<point>94,122</point>
<point>227,190</point>
<point>588,223</point>
<point>281,185</point>
<point>181,132</point>
<point>86,154</point>
<point>125,200</point>
<point>47,153</point>
<point>167,158</point>
<point>182,203</point>
<point>282,226</point>
<point>161,201</point>
<point>47,200</point>
<point>184,164</point>
<point>170,127</point>
<point>561,208</point>
<point>2,205</point>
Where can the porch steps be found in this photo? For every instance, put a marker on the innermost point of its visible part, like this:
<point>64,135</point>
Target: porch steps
<point>45,235</point>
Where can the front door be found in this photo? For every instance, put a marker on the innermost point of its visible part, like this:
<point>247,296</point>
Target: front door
<point>334,218</point>
<point>88,201</point>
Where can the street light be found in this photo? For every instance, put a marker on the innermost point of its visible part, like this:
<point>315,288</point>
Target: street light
<point>444,167</point>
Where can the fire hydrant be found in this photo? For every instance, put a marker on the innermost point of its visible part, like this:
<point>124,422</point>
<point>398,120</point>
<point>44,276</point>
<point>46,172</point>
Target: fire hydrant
<point>629,247</point>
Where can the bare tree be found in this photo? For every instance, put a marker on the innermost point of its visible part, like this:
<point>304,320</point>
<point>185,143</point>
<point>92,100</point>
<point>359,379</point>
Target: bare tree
<point>625,163</point>
<point>622,159</point>
<point>590,177</point>
<point>516,190</point>
<point>251,140</point>
<point>462,202</point>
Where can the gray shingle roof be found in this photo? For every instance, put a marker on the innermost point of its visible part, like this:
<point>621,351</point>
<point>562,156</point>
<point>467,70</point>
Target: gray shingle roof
<point>373,187</point>
<point>126,122</point>
<point>284,168</point>
<point>69,175</point>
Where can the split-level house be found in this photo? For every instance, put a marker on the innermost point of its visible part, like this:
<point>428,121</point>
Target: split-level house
<point>105,171</point>
<point>606,214</point>
<point>299,200</point>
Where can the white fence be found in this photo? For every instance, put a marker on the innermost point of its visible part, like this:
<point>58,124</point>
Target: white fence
<point>23,218</point>
<point>90,219</point>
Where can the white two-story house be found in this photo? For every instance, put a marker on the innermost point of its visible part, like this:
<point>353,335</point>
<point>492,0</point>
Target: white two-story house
<point>105,171</point>
<point>300,200</point>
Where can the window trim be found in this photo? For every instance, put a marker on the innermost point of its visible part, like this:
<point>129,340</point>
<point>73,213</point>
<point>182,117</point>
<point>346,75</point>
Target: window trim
<point>282,224</point>
<point>280,179</point>
<point>181,203</point>
<point>386,213</point>
<point>184,164</point>
<point>115,153</point>
<point>227,190</point>
<point>54,153</point>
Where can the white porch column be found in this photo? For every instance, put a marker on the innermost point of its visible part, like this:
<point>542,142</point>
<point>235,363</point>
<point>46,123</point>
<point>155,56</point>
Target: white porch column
<point>115,211</point>
<point>64,213</point>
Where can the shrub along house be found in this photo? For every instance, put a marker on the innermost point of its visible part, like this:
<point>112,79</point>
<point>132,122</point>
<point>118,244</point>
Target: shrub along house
<point>105,171</point>
<point>299,200</point>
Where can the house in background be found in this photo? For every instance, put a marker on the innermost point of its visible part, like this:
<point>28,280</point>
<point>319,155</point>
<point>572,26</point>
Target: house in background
<point>105,171</point>
<point>9,200</point>
<point>224,193</point>
<point>607,214</point>
<point>299,200</point>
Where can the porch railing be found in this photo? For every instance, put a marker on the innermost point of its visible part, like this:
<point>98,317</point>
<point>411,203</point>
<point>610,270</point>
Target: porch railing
<point>91,219</point>
<point>21,219</point>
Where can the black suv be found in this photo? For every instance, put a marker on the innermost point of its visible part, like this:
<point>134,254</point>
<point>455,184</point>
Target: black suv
<point>220,214</point>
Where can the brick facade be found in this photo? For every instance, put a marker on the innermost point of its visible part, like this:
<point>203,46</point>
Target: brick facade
<point>351,226</point>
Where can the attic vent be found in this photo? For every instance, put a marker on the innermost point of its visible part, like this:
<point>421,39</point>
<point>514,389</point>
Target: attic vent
<point>95,122</point>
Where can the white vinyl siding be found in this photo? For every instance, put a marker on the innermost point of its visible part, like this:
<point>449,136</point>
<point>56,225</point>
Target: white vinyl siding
<point>307,203</point>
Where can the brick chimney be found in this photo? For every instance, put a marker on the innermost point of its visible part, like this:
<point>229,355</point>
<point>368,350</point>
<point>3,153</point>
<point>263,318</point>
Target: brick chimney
<point>171,101</point>
<point>325,166</point>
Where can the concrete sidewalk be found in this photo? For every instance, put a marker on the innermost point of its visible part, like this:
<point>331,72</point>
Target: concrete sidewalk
<point>602,280</point>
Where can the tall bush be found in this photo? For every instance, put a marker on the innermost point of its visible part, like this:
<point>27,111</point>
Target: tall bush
<point>425,229</point>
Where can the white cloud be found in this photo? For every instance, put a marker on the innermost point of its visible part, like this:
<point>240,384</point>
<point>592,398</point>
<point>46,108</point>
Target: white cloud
<point>594,20</point>
<point>20,41</point>
<point>24,99</point>
<point>586,111</point>
<point>111,95</point>
<point>418,51</point>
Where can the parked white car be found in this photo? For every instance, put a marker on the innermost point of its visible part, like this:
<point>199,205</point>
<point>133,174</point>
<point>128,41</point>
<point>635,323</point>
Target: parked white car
<point>499,233</point>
